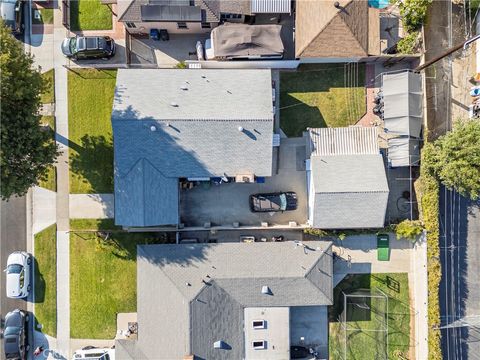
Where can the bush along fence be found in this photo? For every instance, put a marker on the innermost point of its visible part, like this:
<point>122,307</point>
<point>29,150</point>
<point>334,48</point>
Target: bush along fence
<point>429,212</point>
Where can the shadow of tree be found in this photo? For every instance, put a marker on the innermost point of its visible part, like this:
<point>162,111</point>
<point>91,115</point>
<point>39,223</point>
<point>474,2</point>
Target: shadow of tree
<point>92,162</point>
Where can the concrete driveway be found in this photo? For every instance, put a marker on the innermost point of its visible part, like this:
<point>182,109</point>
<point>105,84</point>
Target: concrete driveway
<point>228,203</point>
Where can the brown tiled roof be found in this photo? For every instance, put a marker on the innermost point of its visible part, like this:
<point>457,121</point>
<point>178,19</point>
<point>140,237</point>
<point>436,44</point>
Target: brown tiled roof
<point>322,30</point>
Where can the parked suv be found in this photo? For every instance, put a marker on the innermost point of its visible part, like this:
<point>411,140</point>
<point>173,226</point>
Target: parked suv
<point>18,274</point>
<point>88,47</point>
<point>15,335</point>
<point>273,202</point>
<point>94,353</point>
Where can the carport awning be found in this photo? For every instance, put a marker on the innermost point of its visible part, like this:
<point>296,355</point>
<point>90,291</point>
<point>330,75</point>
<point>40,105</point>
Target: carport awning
<point>403,151</point>
<point>402,96</point>
<point>271,6</point>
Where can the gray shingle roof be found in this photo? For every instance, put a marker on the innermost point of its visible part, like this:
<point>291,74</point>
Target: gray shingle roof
<point>351,191</point>
<point>130,9</point>
<point>178,314</point>
<point>156,143</point>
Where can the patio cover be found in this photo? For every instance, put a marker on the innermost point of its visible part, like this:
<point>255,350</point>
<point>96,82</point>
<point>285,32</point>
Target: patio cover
<point>402,96</point>
<point>237,40</point>
<point>403,151</point>
<point>271,6</point>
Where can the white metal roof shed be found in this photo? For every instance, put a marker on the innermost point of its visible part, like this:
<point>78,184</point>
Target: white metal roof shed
<point>271,6</point>
<point>402,96</point>
<point>403,151</point>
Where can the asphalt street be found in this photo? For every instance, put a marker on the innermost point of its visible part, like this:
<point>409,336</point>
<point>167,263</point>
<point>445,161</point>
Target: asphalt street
<point>460,286</point>
<point>13,236</point>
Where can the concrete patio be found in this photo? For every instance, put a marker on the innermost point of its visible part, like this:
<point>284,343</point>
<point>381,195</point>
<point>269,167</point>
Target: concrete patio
<point>229,202</point>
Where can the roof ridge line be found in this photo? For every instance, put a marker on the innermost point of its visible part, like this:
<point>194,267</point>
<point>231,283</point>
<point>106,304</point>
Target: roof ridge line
<point>314,265</point>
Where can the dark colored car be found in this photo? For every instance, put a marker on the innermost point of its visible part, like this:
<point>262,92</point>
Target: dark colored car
<point>272,202</point>
<point>299,352</point>
<point>15,338</point>
<point>88,47</point>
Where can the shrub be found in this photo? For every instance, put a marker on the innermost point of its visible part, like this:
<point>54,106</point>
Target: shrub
<point>409,229</point>
<point>430,212</point>
<point>408,44</point>
<point>413,13</point>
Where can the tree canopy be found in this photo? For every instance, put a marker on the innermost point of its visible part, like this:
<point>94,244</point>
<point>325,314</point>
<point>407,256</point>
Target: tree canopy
<point>26,150</point>
<point>455,158</point>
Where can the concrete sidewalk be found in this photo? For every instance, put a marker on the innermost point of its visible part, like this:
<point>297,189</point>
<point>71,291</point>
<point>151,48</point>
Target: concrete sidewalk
<point>43,208</point>
<point>91,206</point>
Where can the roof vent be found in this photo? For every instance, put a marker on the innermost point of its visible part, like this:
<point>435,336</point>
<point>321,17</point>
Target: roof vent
<point>336,4</point>
<point>153,128</point>
<point>188,284</point>
<point>266,290</point>
<point>173,104</point>
<point>184,87</point>
<point>240,128</point>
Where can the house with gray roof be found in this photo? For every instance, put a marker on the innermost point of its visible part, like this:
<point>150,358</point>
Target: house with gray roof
<point>229,300</point>
<point>185,124</point>
<point>191,16</point>
<point>347,183</point>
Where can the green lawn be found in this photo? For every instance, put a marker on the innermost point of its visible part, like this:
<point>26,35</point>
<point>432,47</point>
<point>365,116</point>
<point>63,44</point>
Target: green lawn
<point>103,278</point>
<point>90,130</point>
<point>89,15</point>
<point>46,280</point>
<point>48,96</point>
<point>362,344</point>
<point>50,180</point>
<point>321,95</point>
<point>46,16</point>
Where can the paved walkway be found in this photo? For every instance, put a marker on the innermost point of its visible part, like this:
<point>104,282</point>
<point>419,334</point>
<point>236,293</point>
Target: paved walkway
<point>44,209</point>
<point>63,218</point>
<point>91,206</point>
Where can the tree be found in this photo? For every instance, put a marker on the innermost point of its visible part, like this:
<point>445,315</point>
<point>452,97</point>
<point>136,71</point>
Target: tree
<point>26,150</point>
<point>409,229</point>
<point>455,158</point>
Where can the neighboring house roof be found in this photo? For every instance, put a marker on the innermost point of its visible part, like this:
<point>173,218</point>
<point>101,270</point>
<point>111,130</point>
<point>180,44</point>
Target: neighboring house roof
<point>190,296</point>
<point>403,103</point>
<point>322,30</point>
<point>348,179</point>
<point>170,124</point>
<point>130,10</point>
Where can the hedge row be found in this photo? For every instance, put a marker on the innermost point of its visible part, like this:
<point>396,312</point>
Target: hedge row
<point>429,188</point>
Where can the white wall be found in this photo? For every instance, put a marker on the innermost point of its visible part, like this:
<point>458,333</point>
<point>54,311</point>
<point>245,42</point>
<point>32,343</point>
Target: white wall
<point>171,27</point>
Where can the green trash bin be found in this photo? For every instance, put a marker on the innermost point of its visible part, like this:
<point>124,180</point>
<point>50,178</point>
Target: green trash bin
<point>383,247</point>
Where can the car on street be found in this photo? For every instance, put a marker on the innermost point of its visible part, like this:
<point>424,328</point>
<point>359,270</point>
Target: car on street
<point>11,12</point>
<point>18,274</point>
<point>94,353</point>
<point>88,47</point>
<point>273,202</point>
<point>15,335</point>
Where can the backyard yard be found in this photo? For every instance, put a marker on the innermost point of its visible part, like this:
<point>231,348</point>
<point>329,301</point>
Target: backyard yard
<point>365,336</point>
<point>90,130</point>
<point>103,276</point>
<point>46,280</point>
<point>89,15</point>
<point>321,95</point>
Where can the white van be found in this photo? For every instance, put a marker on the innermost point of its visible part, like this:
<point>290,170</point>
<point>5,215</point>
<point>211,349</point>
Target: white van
<point>94,353</point>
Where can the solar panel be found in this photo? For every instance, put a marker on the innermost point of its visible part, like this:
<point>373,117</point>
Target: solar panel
<point>171,13</point>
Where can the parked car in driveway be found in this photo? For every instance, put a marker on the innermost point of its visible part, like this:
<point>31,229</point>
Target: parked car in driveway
<point>18,274</point>
<point>94,353</point>
<point>273,202</point>
<point>88,47</point>
<point>15,335</point>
